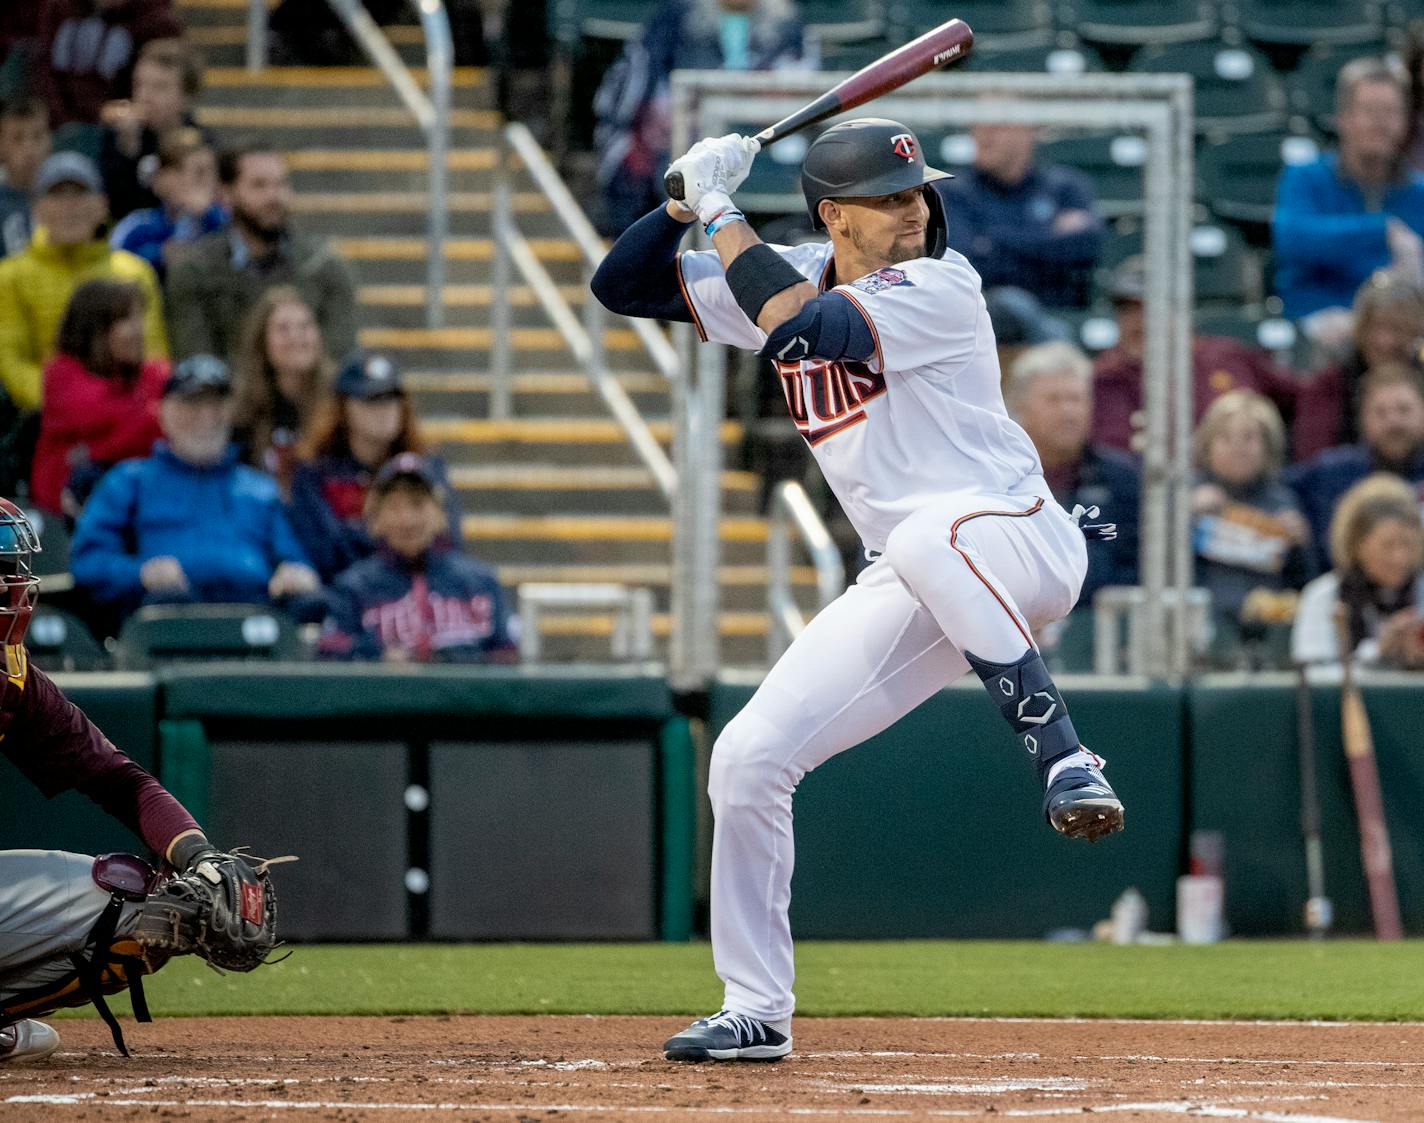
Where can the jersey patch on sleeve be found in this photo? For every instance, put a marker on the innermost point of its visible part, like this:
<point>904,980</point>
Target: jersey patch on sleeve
<point>881,280</point>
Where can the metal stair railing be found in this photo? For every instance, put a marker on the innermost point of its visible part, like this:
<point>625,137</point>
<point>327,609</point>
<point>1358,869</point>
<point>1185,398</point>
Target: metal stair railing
<point>791,509</point>
<point>431,113</point>
<point>584,336</point>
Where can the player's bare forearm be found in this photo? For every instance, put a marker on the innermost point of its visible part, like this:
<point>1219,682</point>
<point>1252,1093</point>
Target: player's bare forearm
<point>731,241</point>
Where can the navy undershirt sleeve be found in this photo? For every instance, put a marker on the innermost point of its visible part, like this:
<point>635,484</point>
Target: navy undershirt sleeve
<point>638,277</point>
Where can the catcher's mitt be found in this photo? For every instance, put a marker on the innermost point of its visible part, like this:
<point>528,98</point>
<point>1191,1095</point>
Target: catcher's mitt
<point>223,909</point>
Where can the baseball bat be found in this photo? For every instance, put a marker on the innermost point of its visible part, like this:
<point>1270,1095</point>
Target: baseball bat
<point>1369,800</point>
<point>1319,913</point>
<point>948,43</point>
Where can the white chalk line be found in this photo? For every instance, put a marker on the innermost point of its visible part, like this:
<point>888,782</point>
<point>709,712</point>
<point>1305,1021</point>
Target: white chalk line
<point>1243,1060</point>
<point>1174,1107</point>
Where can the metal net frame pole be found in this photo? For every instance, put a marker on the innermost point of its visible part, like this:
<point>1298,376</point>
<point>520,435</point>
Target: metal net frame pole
<point>1158,106</point>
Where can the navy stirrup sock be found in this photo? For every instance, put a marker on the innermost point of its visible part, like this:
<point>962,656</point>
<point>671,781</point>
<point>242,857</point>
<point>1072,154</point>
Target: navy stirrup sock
<point>1032,705</point>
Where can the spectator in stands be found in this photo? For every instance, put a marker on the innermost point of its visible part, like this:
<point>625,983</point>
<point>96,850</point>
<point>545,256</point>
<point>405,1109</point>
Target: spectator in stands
<point>101,395</point>
<point>24,146</point>
<point>186,183</point>
<point>366,422</point>
<point>1050,393</point>
<point>89,48</point>
<point>1025,225</point>
<point>1413,59</point>
<point>1219,364</point>
<point>418,598</point>
<point>1388,330</point>
<point>167,81</point>
<point>1392,440</point>
<point>214,283</point>
<point>1353,211</point>
<point>632,108</point>
<point>1248,530</point>
<point>189,523</point>
<point>35,285</point>
<point>282,379</point>
<point>1377,545</point>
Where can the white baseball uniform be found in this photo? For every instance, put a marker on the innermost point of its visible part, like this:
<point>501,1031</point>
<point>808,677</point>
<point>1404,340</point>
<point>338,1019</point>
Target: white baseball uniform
<point>974,553</point>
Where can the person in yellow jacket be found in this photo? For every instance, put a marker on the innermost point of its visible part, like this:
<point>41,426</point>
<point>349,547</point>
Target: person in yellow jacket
<point>66,250</point>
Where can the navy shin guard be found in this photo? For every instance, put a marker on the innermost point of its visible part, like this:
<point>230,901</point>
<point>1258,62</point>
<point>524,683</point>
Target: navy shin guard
<point>1032,705</point>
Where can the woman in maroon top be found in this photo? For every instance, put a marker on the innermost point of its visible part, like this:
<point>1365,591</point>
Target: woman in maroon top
<point>100,395</point>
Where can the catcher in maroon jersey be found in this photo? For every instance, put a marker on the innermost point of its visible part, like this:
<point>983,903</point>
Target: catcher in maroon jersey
<point>73,927</point>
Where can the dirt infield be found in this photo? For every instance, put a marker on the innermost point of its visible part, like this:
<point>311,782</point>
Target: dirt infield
<point>560,1068</point>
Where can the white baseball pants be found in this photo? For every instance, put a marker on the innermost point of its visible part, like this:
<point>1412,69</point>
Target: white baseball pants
<point>966,572</point>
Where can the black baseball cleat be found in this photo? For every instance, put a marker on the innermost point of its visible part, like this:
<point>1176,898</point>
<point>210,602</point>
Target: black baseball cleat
<point>1080,803</point>
<point>728,1037</point>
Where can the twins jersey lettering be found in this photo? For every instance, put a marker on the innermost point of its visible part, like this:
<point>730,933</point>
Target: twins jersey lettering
<point>922,417</point>
<point>425,620</point>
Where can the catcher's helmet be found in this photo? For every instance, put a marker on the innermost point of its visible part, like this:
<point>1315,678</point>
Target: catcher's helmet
<point>19,587</point>
<point>867,157</point>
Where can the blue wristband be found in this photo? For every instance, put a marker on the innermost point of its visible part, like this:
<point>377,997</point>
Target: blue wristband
<point>721,220</point>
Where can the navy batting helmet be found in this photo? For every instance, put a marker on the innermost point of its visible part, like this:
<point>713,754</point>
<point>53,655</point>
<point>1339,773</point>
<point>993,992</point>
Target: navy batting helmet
<point>867,157</point>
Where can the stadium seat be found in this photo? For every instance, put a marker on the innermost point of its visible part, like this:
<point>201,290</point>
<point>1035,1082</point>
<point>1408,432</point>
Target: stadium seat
<point>1225,270</point>
<point>1309,22</point>
<point>1046,59</point>
<point>1001,24</point>
<point>600,19</point>
<point>1237,176</point>
<point>1311,85</point>
<point>1270,333</point>
<point>1093,329</point>
<point>60,641</point>
<point>1134,22</point>
<point>1236,89</point>
<point>1113,161</point>
<point>842,21</point>
<point>164,632</point>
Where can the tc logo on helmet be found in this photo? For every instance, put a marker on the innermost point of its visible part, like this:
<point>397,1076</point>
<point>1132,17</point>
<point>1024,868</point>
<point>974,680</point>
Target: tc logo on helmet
<point>903,145</point>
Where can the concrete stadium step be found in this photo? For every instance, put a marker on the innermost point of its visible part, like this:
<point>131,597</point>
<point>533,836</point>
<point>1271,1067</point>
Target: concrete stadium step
<point>743,586</point>
<point>577,638</point>
<point>406,213</point>
<point>589,539</point>
<point>215,13</point>
<point>444,347</point>
<point>403,306</point>
<point>531,489</point>
<point>326,86</point>
<point>225,44</point>
<point>381,126</point>
<point>445,392</point>
<point>548,440</point>
<point>401,261</point>
<point>392,169</point>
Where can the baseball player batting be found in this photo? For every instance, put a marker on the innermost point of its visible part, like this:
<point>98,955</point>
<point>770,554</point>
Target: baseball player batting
<point>886,356</point>
<point>74,928</point>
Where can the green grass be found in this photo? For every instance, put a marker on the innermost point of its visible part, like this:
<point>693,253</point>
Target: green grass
<point>1239,979</point>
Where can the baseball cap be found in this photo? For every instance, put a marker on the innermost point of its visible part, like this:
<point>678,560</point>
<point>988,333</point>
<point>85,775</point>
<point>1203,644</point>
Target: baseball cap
<point>1128,281</point>
<point>68,167</point>
<point>367,376</point>
<point>199,374</point>
<point>406,466</point>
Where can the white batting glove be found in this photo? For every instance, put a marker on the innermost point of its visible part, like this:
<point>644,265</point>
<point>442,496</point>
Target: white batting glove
<point>712,169</point>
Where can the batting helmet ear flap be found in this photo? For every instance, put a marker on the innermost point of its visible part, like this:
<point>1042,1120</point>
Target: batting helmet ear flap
<point>937,227</point>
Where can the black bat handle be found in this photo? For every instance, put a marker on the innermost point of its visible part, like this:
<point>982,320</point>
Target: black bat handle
<point>672,184</point>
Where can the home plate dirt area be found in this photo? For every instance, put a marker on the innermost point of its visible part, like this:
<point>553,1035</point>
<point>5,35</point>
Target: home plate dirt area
<point>610,1068</point>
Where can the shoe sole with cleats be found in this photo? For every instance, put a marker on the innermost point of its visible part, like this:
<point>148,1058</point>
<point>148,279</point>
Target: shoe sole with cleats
<point>698,1053</point>
<point>1091,818</point>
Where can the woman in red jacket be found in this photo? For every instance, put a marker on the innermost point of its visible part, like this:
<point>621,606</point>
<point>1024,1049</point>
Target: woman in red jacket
<point>100,395</point>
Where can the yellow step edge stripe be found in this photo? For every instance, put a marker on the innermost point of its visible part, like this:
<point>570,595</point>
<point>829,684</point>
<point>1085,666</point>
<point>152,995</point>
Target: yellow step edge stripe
<point>738,576</point>
<point>235,35</point>
<point>593,528</point>
<point>332,116</point>
<point>439,382</point>
<point>577,479</point>
<point>386,160</point>
<point>736,624</point>
<point>456,249</point>
<point>410,202</point>
<point>462,339</point>
<point>551,431</point>
<point>463,77</point>
<point>456,296</point>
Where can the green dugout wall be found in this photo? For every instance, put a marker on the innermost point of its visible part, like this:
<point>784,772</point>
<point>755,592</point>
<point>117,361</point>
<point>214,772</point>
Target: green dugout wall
<point>561,805</point>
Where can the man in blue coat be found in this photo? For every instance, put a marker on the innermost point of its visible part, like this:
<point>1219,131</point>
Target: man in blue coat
<point>1355,210</point>
<point>190,523</point>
